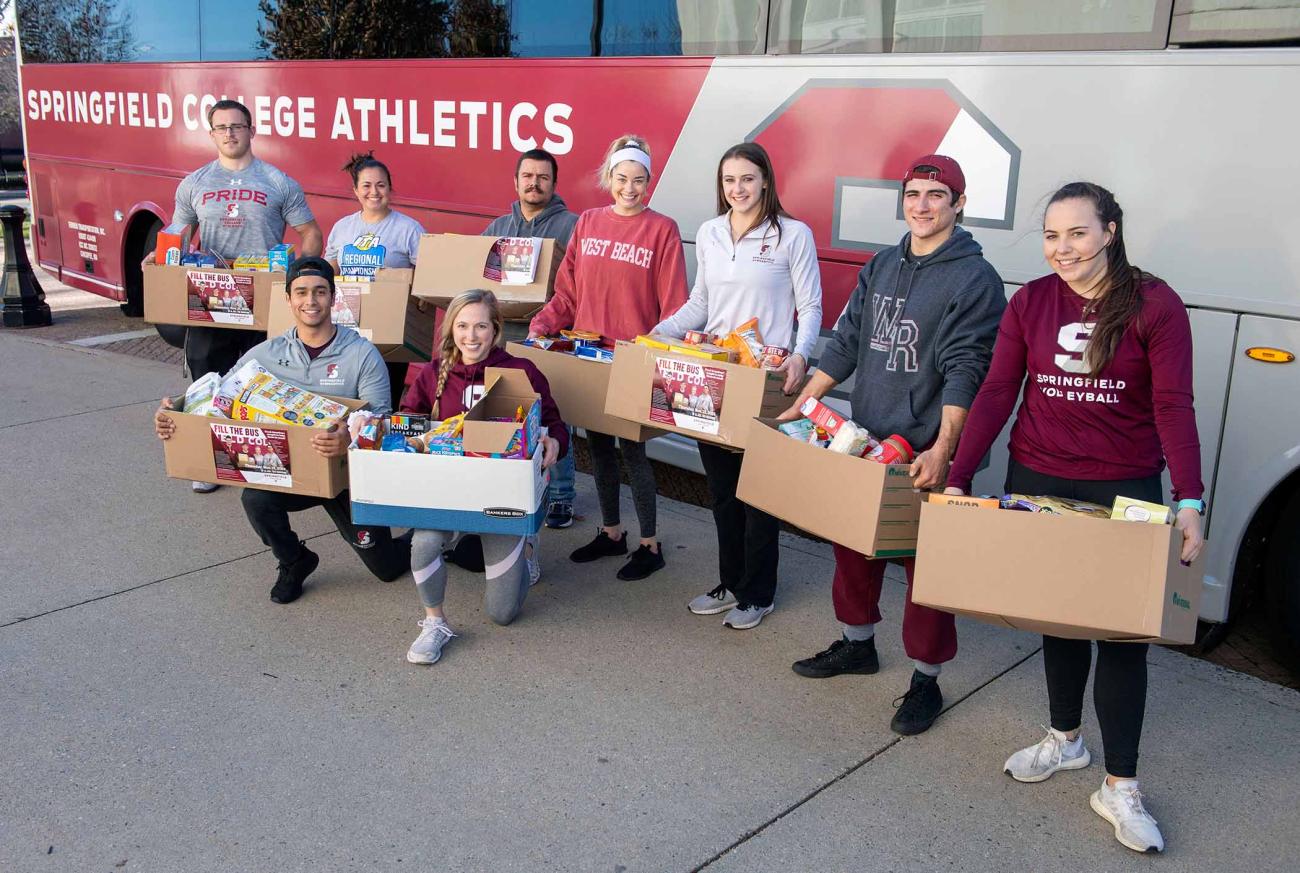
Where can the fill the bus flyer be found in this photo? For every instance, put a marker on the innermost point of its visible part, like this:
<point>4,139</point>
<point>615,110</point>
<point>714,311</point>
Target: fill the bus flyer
<point>346,311</point>
<point>687,394</point>
<point>221,298</point>
<point>513,260</point>
<point>255,455</point>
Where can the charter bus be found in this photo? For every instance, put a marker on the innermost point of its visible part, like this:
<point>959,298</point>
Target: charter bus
<point>1185,108</point>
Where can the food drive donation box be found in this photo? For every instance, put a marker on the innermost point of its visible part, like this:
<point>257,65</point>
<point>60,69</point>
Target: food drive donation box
<point>450,264</point>
<point>712,401</point>
<point>208,296</point>
<point>1068,576</point>
<point>578,386</point>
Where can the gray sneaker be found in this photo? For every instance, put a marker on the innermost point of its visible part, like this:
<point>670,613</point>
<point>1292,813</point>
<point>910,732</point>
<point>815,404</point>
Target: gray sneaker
<point>427,648</point>
<point>715,601</point>
<point>744,616</point>
<point>204,487</point>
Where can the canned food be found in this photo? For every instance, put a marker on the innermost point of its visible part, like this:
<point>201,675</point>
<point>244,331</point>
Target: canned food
<point>893,449</point>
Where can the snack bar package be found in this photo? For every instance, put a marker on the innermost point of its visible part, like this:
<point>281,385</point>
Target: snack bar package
<point>1132,509</point>
<point>595,353</point>
<point>1053,505</point>
<point>266,398</point>
<point>199,397</point>
<point>408,424</point>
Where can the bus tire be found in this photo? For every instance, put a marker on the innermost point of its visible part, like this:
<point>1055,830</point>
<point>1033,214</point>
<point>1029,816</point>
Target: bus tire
<point>1282,581</point>
<point>141,240</point>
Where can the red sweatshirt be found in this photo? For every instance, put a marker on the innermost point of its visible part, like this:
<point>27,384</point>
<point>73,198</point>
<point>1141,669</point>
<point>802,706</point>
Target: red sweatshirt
<point>1122,425</point>
<point>620,276</point>
<point>465,386</point>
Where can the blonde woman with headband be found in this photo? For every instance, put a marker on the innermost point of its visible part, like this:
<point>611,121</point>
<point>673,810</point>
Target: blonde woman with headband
<point>471,342</point>
<point>622,273</point>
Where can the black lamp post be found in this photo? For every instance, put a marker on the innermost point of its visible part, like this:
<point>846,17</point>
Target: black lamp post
<point>22,302</point>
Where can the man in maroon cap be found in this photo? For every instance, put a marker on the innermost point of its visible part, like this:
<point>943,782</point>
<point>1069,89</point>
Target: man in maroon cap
<point>918,333</point>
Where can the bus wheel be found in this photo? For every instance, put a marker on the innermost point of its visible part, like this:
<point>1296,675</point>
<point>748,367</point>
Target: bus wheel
<point>1282,578</point>
<point>143,239</point>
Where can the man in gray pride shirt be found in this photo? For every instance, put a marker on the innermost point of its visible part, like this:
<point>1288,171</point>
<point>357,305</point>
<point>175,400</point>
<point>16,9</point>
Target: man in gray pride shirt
<point>917,336</point>
<point>541,212</point>
<point>316,356</point>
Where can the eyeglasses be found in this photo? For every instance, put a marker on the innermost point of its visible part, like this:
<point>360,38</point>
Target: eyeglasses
<point>224,129</point>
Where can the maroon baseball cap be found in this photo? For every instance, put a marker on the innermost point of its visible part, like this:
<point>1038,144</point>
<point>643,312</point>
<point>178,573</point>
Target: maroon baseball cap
<point>939,168</point>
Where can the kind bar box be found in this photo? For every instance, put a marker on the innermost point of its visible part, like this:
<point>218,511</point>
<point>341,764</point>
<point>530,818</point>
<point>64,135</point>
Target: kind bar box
<point>706,400</point>
<point>207,296</point>
<point>579,386</point>
<point>454,492</point>
<point>1067,576</point>
<point>382,310</point>
<point>860,504</point>
<point>272,457</point>
<point>450,264</point>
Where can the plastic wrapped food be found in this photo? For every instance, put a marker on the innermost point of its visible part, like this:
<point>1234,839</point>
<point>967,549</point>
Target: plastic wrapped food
<point>853,439</point>
<point>200,397</point>
<point>1053,505</point>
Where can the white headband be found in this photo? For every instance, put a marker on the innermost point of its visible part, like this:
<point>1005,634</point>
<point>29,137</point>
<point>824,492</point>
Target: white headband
<point>631,153</point>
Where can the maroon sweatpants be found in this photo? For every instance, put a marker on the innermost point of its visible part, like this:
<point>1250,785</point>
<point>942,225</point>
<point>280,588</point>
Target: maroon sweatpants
<point>928,634</point>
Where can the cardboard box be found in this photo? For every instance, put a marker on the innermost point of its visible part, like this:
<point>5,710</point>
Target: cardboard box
<point>868,507</point>
<point>207,296</point>
<point>271,457</point>
<point>449,492</point>
<point>382,311</point>
<point>579,386</point>
<point>449,264</point>
<point>711,401</point>
<point>1068,576</point>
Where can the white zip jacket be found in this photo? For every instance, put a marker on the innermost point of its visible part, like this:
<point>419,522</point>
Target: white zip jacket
<point>754,277</point>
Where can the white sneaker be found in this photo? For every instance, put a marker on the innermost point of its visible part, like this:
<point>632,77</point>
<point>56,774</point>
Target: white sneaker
<point>744,616</point>
<point>204,487</point>
<point>712,602</point>
<point>1121,805</point>
<point>1053,752</point>
<point>427,648</point>
<point>534,561</point>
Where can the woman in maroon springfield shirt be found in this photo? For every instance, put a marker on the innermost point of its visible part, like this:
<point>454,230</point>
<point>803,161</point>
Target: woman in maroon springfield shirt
<point>1104,352</point>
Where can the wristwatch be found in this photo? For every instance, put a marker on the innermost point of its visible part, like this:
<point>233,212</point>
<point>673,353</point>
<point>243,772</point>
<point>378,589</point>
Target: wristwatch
<point>1198,505</point>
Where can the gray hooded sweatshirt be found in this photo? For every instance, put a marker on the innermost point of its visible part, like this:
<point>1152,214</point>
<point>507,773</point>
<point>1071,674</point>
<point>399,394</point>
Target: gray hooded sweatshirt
<point>350,366</point>
<point>554,222</point>
<point>919,333</point>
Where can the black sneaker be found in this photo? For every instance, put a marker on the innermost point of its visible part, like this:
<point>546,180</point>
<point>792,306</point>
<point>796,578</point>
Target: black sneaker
<point>603,546</point>
<point>642,563</point>
<point>288,585</point>
<point>843,656</point>
<point>559,515</point>
<point>919,707</point>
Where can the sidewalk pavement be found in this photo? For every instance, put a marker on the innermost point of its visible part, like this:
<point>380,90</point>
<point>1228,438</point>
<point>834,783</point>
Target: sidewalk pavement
<point>160,713</point>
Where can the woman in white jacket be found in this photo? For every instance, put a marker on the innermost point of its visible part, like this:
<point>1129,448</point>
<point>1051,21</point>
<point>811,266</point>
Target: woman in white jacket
<point>754,261</point>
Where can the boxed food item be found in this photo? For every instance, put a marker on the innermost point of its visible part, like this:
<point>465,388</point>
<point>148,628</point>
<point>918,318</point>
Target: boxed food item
<point>964,500</point>
<point>382,310</point>
<point>475,492</point>
<point>702,399</point>
<point>1072,575</point>
<point>868,507</point>
<point>707,351</point>
<point>280,257</point>
<point>200,397</point>
<point>172,244</point>
<point>265,398</point>
<point>450,264</point>
<point>206,296</point>
<point>1132,509</point>
<point>578,386</point>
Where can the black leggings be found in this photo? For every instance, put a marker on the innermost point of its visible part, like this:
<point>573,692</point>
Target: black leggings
<point>640,474</point>
<point>1119,690</point>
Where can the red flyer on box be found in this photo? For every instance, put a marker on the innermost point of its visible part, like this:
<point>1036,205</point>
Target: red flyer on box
<point>687,394</point>
<point>220,298</point>
<point>256,455</point>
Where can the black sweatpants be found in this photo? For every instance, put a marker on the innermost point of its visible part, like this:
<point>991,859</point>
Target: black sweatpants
<point>268,513</point>
<point>748,538</point>
<point>216,349</point>
<point>1119,690</point>
<point>640,474</point>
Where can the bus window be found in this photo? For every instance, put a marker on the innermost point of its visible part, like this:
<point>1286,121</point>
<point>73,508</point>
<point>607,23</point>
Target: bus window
<point>621,28</point>
<point>56,31</point>
<point>832,26</point>
<point>229,29</point>
<point>553,29</point>
<point>1235,21</point>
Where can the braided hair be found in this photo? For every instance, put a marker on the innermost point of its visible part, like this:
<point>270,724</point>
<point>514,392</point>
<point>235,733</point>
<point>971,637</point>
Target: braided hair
<point>448,353</point>
<point>1119,300</point>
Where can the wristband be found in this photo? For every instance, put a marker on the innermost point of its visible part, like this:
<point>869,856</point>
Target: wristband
<point>1198,505</point>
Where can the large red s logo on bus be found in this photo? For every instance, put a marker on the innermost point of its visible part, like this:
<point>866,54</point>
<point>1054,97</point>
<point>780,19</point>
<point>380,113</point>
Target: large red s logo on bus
<point>843,144</point>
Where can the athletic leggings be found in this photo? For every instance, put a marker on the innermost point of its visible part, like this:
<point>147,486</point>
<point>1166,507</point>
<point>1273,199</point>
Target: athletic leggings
<point>505,564</point>
<point>604,462</point>
<point>1119,689</point>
